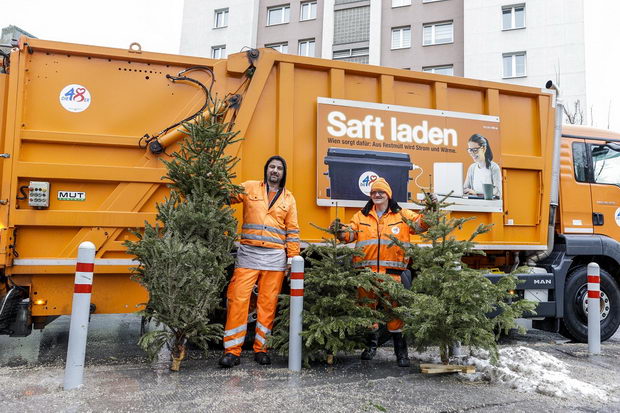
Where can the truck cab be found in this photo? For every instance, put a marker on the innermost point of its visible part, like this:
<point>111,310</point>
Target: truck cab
<point>587,230</point>
<point>590,182</point>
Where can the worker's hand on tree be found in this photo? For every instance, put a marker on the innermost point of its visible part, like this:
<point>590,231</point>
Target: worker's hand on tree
<point>338,228</point>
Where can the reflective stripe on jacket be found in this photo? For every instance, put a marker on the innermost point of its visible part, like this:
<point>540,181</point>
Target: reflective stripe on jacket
<point>372,234</point>
<point>274,227</point>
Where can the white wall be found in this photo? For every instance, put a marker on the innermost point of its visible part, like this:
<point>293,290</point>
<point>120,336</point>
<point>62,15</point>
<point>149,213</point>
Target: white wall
<point>602,33</point>
<point>328,29</point>
<point>553,39</point>
<point>198,34</point>
<point>374,45</point>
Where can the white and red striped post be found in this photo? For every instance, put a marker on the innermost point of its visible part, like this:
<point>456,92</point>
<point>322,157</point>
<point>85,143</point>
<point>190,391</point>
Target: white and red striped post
<point>594,308</point>
<point>296,308</point>
<point>80,312</point>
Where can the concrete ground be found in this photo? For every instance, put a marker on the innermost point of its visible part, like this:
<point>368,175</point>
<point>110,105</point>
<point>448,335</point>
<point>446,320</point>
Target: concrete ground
<point>118,379</point>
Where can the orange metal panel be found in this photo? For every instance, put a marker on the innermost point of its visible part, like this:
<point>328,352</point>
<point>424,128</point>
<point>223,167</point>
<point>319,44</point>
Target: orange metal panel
<point>96,151</point>
<point>111,293</point>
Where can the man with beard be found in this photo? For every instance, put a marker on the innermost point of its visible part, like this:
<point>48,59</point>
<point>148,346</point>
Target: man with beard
<point>269,234</point>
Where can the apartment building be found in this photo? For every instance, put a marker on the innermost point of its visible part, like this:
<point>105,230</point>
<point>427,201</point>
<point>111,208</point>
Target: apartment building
<point>412,34</point>
<point>216,28</point>
<point>424,35</point>
<point>518,41</point>
<point>527,43</point>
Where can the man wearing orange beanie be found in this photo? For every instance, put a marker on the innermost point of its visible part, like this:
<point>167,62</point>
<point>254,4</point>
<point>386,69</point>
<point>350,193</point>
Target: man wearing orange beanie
<point>371,229</point>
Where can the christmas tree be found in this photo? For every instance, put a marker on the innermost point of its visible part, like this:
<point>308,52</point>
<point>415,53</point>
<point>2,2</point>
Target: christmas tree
<point>452,302</point>
<point>335,318</point>
<point>183,257</point>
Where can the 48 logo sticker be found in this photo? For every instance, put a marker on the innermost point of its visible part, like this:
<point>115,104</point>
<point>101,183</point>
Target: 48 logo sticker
<point>75,98</point>
<point>366,180</point>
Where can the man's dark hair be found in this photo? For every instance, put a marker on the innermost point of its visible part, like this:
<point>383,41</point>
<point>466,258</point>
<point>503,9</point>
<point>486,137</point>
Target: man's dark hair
<point>277,158</point>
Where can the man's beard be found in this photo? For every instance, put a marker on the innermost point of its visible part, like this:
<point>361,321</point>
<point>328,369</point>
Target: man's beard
<point>274,179</point>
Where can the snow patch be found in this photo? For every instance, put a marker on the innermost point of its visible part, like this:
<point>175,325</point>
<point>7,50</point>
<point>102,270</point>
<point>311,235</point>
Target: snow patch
<point>528,370</point>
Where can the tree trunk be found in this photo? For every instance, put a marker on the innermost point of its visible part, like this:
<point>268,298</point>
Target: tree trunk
<point>443,351</point>
<point>177,356</point>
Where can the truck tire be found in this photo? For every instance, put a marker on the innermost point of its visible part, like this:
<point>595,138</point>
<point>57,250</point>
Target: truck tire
<point>575,305</point>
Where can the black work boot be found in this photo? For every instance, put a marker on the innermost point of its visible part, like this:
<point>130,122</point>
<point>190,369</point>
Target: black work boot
<point>400,349</point>
<point>229,360</point>
<point>371,350</point>
<point>262,358</point>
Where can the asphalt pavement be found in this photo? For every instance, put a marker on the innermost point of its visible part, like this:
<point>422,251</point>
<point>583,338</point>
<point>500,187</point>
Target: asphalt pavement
<point>118,378</point>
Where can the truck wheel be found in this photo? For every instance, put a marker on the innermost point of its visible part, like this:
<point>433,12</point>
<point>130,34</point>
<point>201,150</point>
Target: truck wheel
<point>576,304</point>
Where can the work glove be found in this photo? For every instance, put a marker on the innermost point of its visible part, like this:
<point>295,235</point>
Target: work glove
<point>337,227</point>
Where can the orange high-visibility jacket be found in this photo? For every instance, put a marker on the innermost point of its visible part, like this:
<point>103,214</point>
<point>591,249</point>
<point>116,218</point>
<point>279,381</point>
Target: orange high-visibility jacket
<point>274,227</point>
<point>372,234</point>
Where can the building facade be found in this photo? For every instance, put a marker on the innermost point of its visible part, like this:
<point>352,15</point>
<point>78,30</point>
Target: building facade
<point>528,43</point>
<point>216,28</point>
<point>407,34</point>
<point>525,42</point>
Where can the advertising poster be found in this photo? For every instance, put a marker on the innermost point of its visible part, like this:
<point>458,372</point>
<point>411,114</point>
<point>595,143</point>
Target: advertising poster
<point>447,153</point>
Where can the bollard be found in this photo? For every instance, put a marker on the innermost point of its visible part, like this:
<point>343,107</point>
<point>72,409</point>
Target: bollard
<point>594,308</point>
<point>297,306</point>
<point>80,312</point>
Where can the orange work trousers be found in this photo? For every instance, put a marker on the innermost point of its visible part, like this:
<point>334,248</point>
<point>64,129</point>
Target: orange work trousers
<point>239,292</point>
<point>393,326</point>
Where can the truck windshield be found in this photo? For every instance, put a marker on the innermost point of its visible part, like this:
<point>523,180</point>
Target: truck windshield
<point>606,162</point>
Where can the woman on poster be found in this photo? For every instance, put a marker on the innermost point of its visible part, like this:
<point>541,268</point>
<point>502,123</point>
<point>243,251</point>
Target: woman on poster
<point>483,170</point>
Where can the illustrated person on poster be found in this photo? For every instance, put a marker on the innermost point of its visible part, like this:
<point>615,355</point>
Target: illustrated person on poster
<point>483,171</point>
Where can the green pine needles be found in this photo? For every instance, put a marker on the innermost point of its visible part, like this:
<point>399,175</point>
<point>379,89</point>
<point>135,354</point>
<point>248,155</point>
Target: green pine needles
<point>335,319</point>
<point>183,262</point>
<point>453,303</point>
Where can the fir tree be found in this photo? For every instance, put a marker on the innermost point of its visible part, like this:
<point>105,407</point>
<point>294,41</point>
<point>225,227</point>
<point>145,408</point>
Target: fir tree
<point>451,301</point>
<point>184,256</point>
<point>335,318</point>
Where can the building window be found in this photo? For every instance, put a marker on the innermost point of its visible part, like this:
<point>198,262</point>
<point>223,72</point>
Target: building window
<point>513,17</point>
<point>308,11</point>
<point>218,52</point>
<point>221,18</point>
<point>401,3</point>
<point>280,47</point>
<point>440,70</point>
<point>401,37</point>
<point>438,33</point>
<point>514,64</point>
<point>278,15</point>
<point>306,48</point>
<point>580,162</point>
<point>352,25</point>
<point>359,55</point>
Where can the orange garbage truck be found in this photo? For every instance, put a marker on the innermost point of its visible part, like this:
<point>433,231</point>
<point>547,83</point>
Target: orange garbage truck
<point>84,130</point>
